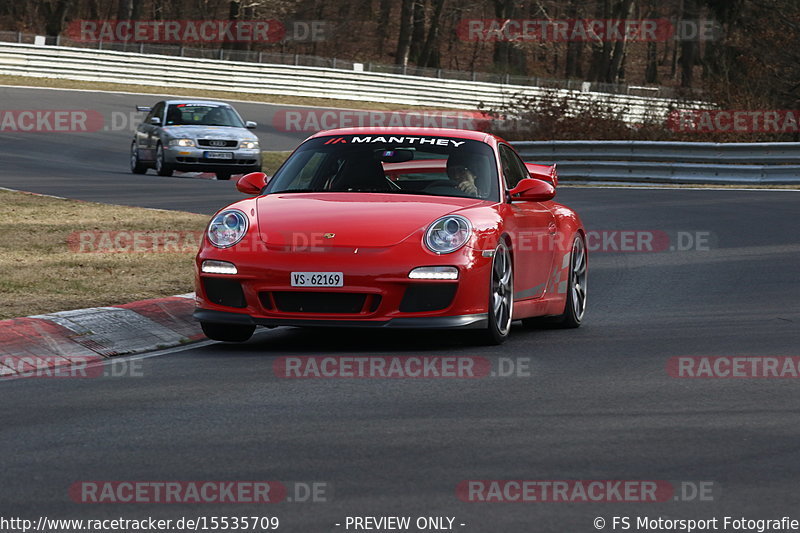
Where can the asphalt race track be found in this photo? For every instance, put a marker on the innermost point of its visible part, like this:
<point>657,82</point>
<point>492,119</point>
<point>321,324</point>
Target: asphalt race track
<point>596,404</point>
<point>94,165</point>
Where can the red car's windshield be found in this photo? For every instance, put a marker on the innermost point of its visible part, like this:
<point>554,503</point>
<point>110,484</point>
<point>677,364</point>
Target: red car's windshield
<point>440,166</point>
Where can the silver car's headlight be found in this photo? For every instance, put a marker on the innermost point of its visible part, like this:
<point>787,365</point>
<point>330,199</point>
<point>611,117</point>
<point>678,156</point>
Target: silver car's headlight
<point>249,145</point>
<point>448,234</point>
<point>227,228</point>
<point>186,143</point>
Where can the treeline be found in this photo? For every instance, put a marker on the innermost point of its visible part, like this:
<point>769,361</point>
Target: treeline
<point>750,63</point>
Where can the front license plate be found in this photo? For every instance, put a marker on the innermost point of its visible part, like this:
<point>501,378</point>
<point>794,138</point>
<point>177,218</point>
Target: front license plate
<point>317,279</point>
<point>219,155</point>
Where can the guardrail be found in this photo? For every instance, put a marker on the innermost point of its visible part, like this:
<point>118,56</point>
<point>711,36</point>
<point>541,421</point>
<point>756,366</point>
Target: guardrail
<point>677,162</point>
<point>208,74</point>
<point>262,56</point>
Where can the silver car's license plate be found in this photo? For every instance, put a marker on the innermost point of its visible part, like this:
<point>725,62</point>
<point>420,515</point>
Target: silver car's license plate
<point>219,155</point>
<point>317,279</point>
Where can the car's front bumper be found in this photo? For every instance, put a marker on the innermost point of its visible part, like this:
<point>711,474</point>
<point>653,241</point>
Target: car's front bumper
<point>474,321</point>
<point>190,157</point>
<point>377,291</point>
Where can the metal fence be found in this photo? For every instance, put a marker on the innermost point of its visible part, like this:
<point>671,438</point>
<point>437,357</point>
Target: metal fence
<point>254,56</point>
<point>295,80</point>
<point>677,162</point>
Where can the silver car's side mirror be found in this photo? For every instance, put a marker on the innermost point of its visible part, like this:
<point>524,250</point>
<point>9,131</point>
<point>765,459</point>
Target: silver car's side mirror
<point>250,125</point>
<point>155,121</point>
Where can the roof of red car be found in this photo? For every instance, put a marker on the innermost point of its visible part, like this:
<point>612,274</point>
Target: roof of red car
<point>430,132</point>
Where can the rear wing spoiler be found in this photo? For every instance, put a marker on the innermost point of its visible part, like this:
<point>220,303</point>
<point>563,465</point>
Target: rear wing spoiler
<point>543,172</point>
<point>143,108</point>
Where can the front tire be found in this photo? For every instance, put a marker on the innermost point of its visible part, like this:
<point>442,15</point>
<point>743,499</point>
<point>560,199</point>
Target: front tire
<point>223,175</point>
<point>136,166</point>
<point>227,332</point>
<point>501,297</point>
<point>162,167</point>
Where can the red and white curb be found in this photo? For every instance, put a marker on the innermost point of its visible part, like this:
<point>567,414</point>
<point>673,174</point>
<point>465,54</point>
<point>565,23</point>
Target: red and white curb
<point>67,336</point>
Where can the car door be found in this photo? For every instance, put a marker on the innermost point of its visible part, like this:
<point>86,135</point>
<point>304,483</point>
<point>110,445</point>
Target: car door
<point>532,228</point>
<point>140,136</point>
<point>150,132</point>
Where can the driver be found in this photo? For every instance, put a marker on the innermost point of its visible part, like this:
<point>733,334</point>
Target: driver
<point>462,170</point>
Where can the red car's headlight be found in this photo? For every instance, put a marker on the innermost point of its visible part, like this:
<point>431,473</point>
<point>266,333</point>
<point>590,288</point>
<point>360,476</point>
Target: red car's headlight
<point>227,228</point>
<point>448,234</point>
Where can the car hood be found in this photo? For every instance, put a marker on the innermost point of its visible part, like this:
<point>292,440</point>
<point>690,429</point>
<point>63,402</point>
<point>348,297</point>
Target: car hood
<point>354,219</point>
<point>209,132</point>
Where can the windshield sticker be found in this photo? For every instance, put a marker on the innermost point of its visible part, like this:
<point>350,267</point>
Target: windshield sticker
<point>408,140</point>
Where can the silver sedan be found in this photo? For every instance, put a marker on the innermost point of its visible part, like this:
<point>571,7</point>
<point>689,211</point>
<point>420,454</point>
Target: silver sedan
<point>194,136</point>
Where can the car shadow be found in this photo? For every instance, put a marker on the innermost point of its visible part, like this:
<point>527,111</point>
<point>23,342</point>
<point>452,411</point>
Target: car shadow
<point>326,341</point>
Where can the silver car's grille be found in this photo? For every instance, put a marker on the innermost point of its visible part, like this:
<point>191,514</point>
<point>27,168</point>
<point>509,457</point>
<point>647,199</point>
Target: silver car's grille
<point>217,143</point>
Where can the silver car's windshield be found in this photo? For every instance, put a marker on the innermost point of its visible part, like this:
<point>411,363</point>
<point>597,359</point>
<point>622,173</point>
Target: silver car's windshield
<point>400,164</point>
<point>202,115</point>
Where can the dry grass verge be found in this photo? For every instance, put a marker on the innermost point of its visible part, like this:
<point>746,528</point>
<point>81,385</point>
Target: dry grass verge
<point>40,273</point>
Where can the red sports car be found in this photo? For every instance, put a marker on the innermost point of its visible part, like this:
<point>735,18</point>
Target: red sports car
<point>394,228</point>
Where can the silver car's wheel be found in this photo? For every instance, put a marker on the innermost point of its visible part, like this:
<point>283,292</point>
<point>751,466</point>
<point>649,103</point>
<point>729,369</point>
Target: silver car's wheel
<point>162,168</point>
<point>501,296</point>
<point>136,166</point>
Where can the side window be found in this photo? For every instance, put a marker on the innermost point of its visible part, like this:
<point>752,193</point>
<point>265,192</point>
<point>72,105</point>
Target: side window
<point>304,167</point>
<point>158,111</point>
<point>513,169</point>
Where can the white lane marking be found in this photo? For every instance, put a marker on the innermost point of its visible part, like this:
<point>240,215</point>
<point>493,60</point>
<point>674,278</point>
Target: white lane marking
<point>34,193</point>
<point>169,351</point>
<point>134,357</point>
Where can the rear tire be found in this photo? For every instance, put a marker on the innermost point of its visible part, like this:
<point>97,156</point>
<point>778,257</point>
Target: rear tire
<point>162,168</point>
<point>227,332</point>
<point>575,305</point>
<point>501,297</point>
<point>136,166</point>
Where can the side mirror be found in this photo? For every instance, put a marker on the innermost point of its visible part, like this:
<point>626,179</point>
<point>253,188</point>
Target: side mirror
<point>252,183</point>
<point>155,121</point>
<point>250,125</point>
<point>532,190</point>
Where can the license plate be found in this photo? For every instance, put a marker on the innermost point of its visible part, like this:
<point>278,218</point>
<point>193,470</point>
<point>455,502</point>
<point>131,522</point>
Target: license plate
<point>317,279</point>
<point>219,155</point>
